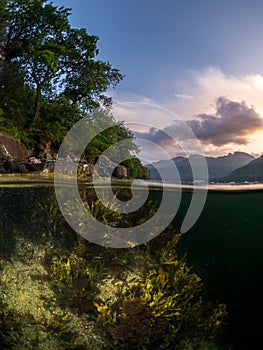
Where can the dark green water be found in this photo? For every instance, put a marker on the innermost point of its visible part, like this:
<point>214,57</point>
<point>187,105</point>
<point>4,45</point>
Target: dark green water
<point>225,248</point>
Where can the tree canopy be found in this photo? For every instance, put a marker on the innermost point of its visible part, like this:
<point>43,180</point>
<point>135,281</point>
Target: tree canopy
<point>52,58</point>
<point>50,74</point>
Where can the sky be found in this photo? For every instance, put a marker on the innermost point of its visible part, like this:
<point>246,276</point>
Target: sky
<point>198,62</point>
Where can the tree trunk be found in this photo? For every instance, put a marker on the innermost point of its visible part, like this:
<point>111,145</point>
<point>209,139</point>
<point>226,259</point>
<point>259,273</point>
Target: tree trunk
<point>38,103</point>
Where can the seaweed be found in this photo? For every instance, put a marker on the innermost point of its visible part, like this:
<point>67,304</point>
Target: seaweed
<point>164,310</point>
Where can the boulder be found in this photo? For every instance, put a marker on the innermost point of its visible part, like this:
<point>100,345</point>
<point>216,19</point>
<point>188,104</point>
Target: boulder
<point>120,172</point>
<point>106,168</point>
<point>13,149</point>
<point>4,154</point>
<point>43,149</point>
<point>15,157</point>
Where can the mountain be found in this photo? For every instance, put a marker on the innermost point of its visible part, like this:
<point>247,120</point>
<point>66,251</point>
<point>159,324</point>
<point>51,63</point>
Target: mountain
<point>222,166</point>
<point>253,171</point>
<point>218,168</point>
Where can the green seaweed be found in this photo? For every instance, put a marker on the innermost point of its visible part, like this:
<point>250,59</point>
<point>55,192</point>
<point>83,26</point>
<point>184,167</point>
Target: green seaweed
<point>61,272</point>
<point>164,310</point>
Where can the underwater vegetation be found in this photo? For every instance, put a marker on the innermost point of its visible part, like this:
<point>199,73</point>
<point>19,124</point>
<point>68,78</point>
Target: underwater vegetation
<point>60,291</point>
<point>165,310</point>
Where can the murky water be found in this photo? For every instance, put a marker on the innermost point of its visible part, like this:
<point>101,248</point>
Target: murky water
<point>52,279</point>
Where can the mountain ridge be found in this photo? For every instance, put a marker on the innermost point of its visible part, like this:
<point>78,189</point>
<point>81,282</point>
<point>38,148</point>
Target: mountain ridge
<point>219,168</point>
<point>253,171</point>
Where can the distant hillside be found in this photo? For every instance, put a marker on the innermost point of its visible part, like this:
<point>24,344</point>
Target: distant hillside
<point>218,168</point>
<point>253,171</point>
<point>223,166</point>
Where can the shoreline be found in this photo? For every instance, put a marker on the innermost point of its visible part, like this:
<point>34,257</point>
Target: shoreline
<point>33,179</point>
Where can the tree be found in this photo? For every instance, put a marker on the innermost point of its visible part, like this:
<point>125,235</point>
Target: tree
<point>50,78</point>
<point>30,33</point>
<point>86,79</point>
<point>108,139</point>
<point>43,37</point>
<point>15,109</point>
<point>53,58</point>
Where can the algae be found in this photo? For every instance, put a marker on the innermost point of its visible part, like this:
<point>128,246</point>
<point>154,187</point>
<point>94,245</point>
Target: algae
<point>59,291</point>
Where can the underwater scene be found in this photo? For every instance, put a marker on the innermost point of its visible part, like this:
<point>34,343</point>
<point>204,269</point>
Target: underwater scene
<point>201,289</point>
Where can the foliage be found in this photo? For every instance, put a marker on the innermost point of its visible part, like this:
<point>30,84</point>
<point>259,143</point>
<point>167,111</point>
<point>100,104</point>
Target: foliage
<point>43,58</point>
<point>50,77</point>
<point>38,42</point>
<point>164,310</point>
<point>75,279</point>
<point>113,132</point>
<point>135,169</point>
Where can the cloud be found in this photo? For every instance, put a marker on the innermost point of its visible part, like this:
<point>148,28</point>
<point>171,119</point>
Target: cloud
<point>205,86</point>
<point>184,96</point>
<point>155,135</point>
<point>210,102</point>
<point>233,122</point>
<point>165,144</point>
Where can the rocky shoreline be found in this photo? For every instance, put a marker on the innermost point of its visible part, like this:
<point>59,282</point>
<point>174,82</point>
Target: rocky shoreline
<point>16,158</point>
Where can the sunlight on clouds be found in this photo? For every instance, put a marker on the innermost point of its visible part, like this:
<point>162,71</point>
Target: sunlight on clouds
<point>255,81</point>
<point>207,85</point>
<point>197,97</point>
<point>165,141</point>
<point>212,83</point>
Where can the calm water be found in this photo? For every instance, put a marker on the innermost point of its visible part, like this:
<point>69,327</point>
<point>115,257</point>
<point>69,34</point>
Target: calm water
<point>224,247</point>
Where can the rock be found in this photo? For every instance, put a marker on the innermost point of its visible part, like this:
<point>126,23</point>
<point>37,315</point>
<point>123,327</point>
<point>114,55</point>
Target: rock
<point>86,170</point>
<point>49,156</point>
<point>10,167</point>
<point>21,168</point>
<point>34,167</point>
<point>34,160</point>
<point>4,154</point>
<point>69,159</point>
<point>120,172</point>
<point>106,168</point>
<point>15,157</point>
<point>2,169</point>
<point>13,149</point>
<point>43,149</point>
<point>49,166</point>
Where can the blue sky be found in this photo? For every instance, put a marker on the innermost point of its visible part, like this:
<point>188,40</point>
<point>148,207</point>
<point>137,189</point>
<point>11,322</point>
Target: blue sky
<point>184,56</point>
